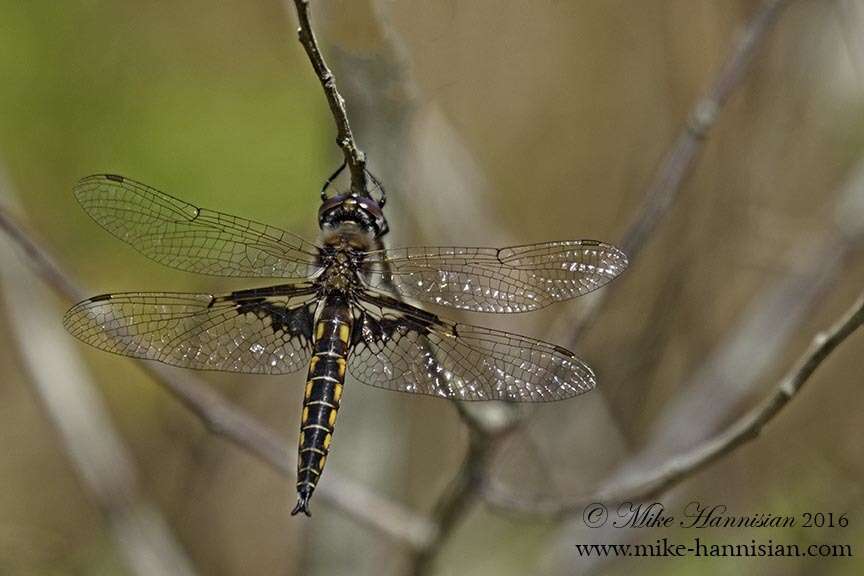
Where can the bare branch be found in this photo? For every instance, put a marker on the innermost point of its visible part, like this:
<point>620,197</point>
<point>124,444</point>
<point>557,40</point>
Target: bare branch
<point>354,157</point>
<point>71,404</point>
<point>233,424</point>
<point>461,496</point>
<point>715,391</point>
<point>455,503</point>
<point>747,428</point>
<point>680,160</point>
<point>38,258</point>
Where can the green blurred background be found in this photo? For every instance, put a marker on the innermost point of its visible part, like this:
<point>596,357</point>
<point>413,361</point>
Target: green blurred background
<point>491,123</point>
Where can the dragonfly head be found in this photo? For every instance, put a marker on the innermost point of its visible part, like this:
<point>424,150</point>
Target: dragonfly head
<point>363,211</point>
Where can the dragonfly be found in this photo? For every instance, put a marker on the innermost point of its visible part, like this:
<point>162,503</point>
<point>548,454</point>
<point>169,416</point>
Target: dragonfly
<point>342,306</point>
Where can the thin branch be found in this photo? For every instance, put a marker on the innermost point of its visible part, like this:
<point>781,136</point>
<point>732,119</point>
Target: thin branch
<point>660,479</point>
<point>460,498</point>
<point>39,259</point>
<point>233,424</point>
<point>456,502</point>
<point>354,157</point>
<point>680,160</point>
<point>90,441</point>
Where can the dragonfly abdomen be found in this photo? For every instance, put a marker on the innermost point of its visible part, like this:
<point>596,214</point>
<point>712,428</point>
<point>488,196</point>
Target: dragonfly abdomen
<point>322,396</point>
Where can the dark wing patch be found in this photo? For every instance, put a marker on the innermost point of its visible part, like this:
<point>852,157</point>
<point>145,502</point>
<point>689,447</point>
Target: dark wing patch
<point>262,331</point>
<point>183,236</point>
<point>397,349</point>
<point>517,279</point>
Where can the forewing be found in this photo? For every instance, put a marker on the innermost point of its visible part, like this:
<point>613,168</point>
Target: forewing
<point>517,279</point>
<point>419,353</point>
<point>183,236</point>
<point>262,331</point>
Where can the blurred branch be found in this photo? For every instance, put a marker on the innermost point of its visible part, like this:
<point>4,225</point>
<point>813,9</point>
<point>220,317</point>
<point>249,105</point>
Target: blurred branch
<point>717,388</point>
<point>460,498</point>
<point>656,481</point>
<point>456,502</point>
<point>354,157</point>
<point>95,450</point>
<point>715,392</point>
<point>230,422</point>
<point>681,158</point>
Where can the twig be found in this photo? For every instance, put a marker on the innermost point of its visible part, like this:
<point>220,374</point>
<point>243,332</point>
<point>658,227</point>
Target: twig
<point>456,502</point>
<point>460,498</point>
<point>38,258</point>
<point>660,479</point>
<point>228,421</point>
<point>354,157</point>
<point>681,158</point>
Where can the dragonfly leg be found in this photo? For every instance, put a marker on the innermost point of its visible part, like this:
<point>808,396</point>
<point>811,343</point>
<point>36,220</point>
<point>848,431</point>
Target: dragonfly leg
<point>383,199</point>
<point>330,181</point>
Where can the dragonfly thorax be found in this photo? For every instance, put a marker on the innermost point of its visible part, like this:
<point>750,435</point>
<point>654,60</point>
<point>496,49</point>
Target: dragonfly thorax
<point>338,277</point>
<point>342,257</point>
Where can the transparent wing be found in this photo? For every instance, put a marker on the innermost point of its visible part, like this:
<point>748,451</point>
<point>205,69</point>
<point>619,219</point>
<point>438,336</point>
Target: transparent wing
<point>259,331</point>
<point>183,236</point>
<point>517,279</point>
<point>399,347</point>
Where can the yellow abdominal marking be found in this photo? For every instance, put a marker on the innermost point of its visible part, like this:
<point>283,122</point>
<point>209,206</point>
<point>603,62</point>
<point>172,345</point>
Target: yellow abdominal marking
<point>341,363</point>
<point>305,414</point>
<point>343,333</point>
<point>319,330</point>
<point>308,392</point>
<point>327,439</point>
<point>332,419</point>
<point>312,363</point>
<point>302,438</point>
<point>337,392</point>
<point>321,462</point>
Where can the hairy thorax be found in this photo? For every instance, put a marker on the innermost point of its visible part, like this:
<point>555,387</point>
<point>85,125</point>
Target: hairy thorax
<point>342,256</point>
